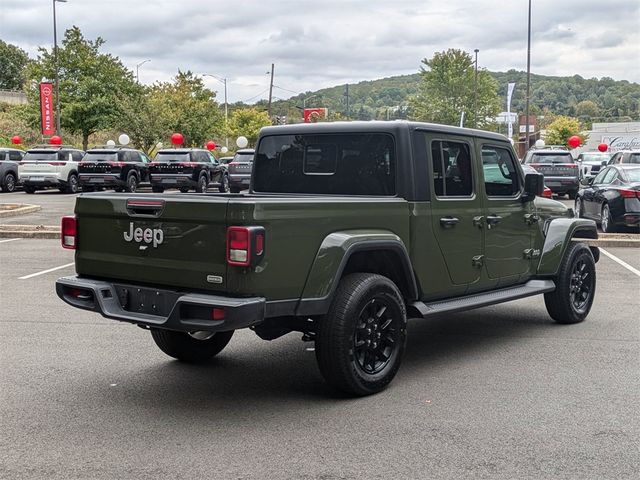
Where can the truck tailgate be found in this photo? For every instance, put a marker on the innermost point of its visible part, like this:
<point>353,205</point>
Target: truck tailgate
<point>176,241</point>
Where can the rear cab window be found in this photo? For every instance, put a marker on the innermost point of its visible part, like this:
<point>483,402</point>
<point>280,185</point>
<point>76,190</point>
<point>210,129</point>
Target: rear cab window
<point>41,156</point>
<point>550,158</point>
<point>326,164</point>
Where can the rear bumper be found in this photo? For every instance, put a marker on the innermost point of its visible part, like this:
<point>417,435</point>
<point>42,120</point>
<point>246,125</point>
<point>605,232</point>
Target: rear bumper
<point>562,184</point>
<point>172,180</point>
<point>631,219</point>
<point>45,180</point>
<point>186,312</point>
<point>239,180</point>
<point>100,180</point>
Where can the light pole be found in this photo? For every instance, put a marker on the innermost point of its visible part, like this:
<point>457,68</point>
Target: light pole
<point>55,62</point>
<point>475,93</point>
<point>226,105</point>
<point>138,65</point>
<point>526,107</point>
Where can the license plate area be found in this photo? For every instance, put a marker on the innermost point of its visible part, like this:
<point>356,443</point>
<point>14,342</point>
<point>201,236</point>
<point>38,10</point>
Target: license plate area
<point>169,180</point>
<point>97,180</point>
<point>146,300</point>
<point>36,179</point>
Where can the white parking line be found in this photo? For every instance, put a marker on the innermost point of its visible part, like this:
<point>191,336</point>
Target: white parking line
<point>624,264</point>
<point>10,240</point>
<point>45,271</point>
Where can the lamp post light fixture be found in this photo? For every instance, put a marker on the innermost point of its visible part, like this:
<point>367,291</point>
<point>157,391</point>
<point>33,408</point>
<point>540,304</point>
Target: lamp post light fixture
<point>55,63</point>
<point>138,65</point>
<point>226,104</point>
<point>475,92</point>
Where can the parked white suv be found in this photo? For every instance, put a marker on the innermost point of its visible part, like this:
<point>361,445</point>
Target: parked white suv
<point>50,166</point>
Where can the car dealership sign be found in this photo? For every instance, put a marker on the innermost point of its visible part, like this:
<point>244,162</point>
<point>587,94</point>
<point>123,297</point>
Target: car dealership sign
<point>46,109</point>
<point>622,142</point>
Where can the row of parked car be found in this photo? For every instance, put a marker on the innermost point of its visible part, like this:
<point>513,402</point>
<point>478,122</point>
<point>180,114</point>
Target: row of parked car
<point>605,187</point>
<point>122,169</point>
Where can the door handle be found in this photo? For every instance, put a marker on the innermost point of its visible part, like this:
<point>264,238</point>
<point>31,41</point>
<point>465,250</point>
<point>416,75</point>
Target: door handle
<point>448,221</point>
<point>493,220</point>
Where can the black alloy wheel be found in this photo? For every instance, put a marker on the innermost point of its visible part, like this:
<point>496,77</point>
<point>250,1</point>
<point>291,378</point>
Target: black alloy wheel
<point>605,220</point>
<point>361,340</point>
<point>72,184</point>
<point>224,184</point>
<point>9,183</point>
<point>202,184</point>
<point>132,183</point>
<point>575,289</point>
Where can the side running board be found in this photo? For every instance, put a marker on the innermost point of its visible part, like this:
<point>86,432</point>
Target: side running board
<point>477,300</point>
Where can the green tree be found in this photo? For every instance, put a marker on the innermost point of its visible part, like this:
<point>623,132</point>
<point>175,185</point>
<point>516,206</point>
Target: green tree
<point>587,108</point>
<point>14,60</point>
<point>91,84</point>
<point>559,131</point>
<point>187,107</point>
<point>141,119</point>
<point>248,122</point>
<point>447,88</point>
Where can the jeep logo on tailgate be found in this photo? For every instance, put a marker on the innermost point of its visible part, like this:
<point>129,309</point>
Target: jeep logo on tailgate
<point>148,235</point>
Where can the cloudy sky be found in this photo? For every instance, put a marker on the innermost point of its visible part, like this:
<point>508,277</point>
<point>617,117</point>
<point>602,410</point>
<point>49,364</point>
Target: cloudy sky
<point>321,43</point>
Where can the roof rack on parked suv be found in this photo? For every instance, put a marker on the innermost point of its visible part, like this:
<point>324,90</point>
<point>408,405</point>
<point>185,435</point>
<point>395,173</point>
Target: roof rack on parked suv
<point>549,147</point>
<point>48,145</point>
<point>111,147</point>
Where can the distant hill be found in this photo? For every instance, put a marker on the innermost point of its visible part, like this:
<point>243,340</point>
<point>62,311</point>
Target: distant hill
<point>388,97</point>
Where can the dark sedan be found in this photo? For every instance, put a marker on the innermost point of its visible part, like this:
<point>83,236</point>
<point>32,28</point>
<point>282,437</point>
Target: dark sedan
<point>612,198</point>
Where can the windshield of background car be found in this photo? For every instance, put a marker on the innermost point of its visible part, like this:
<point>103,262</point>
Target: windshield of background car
<point>243,158</point>
<point>633,174</point>
<point>43,155</point>
<point>595,158</point>
<point>333,164</point>
<point>100,157</point>
<point>172,157</point>
<point>634,158</point>
<point>550,158</point>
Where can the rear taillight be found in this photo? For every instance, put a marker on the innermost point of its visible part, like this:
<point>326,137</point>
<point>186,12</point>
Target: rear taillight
<point>69,232</point>
<point>572,165</point>
<point>625,193</point>
<point>245,246</point>
<point>188,164</point>
<point>57,163</point>
<point>117,164</point>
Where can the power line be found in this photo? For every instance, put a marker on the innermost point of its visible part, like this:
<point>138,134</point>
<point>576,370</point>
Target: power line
<point>251,98</point>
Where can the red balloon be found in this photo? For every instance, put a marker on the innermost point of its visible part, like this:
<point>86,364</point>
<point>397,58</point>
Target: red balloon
<point>55,140</point>
<point>211,145</point>
<point>16,140</point>
<point>603,147</point>
<point>574,141</point>
<point>177,139</point>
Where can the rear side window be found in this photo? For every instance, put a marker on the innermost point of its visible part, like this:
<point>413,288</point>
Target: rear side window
<point>634,158</point>
<point>132,156</point>
<point>200,156</point>
<point>452,176</point>
<point>331,164</point>
<point>13,156</point>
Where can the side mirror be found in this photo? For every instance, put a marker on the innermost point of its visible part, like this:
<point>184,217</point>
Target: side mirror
<point>533,186</point>
<point>604,162</point>
<point>590,180</point>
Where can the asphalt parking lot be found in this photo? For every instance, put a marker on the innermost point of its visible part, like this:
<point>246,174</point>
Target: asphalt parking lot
<point>500,392</point>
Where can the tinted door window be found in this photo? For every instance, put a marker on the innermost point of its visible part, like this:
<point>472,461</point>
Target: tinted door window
<point>500,174</point>
<point>452,176</point>
<point>132,156</point>
<point>14,156</point>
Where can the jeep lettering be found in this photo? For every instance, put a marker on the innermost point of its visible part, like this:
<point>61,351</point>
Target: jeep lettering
<point>147,235</point>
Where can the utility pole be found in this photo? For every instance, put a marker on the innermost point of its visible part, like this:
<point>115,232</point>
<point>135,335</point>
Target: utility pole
<point>270,91</point>
<point>526,108</point>
<point>475,93</point>
<point>346,94</point>
<point>55,61</point>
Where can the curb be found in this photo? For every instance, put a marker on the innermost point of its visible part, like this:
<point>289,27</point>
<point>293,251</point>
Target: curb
<point>16,209</point>
<point>29,231</point>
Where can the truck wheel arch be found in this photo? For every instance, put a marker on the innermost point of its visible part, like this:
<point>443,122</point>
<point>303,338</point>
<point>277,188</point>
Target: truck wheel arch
<point>560,232</point>
<point>342,253</point>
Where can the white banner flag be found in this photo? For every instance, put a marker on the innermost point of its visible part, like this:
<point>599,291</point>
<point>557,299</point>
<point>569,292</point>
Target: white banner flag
<point>510,88</point>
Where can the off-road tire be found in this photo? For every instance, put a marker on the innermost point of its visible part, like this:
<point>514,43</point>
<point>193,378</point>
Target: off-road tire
<point>606,222</point>
<point>224,184</point>
<point>157,189</point>
<point>29,189</point>
<point>203,184</point>
<point>132,183</point>
<point>72,184</point>
<point>9,182</point>
<point>182,346</point>
<point>570,302</point>
<point>362,304</point>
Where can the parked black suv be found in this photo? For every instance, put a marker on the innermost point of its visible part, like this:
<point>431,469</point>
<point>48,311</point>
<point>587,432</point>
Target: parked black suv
<point>186,169</point>
<point>120,168</point>
<point>558,167</point>
<point>9,159</point>
<point>240,169</point>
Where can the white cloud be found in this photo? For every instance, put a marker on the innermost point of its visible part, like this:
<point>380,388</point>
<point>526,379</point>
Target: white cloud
<point>320,44</point>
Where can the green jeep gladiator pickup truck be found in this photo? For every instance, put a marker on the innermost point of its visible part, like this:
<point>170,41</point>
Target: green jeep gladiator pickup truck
<point>348,229</point>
